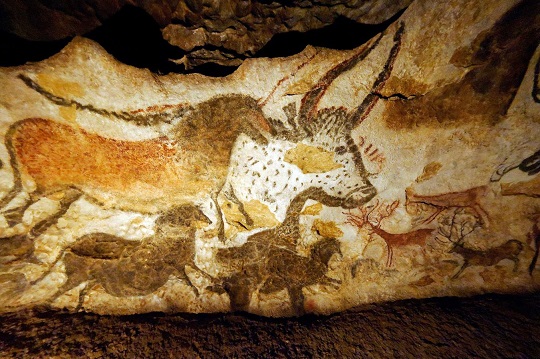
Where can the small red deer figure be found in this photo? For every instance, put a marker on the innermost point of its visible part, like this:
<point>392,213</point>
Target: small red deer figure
<point>459,229</point>
<point>393,240</point>
<point>470,198</point>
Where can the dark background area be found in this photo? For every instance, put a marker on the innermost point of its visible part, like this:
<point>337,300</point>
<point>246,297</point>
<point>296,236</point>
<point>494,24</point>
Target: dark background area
<point>489,326</point>
<point>134,38</point>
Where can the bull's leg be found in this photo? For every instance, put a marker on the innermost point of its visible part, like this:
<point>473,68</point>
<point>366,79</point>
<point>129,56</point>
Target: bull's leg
<point>70,196</point>
<point>219,217</point>
<point>14,192</point>
<point>14,216</point>
<point>17,248</point>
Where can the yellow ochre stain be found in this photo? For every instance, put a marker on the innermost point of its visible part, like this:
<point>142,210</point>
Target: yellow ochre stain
<point>313,210</point>
<point>59,87</point>
<point>326,229</point>
<point>68,113</point>
<point>430,170</point>
<point>257,211</point>
<point>311,159</point>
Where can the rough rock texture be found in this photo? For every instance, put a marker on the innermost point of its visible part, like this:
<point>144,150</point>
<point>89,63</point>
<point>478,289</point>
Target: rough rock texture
<point>223,32</point>
<point>405,168</point>
<point>481,327</point>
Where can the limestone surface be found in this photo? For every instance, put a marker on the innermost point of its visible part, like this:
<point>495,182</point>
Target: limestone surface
<point>405,168</point>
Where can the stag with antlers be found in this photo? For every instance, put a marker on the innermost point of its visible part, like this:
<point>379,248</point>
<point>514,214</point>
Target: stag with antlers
<point>459,226</point>
<point>393,240</point>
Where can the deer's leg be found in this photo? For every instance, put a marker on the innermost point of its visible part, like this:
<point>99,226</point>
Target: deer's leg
<point>389,256</point>
<point>70,196</point>
<point>465,264</point>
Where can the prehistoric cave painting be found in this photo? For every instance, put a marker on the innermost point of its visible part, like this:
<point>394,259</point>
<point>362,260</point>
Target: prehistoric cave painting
<point>269,262</point>
<point>470,198</point>
<point>150,176</point>
<point>372,216</point>
<point>132,268</point>
<point>497,59</point>
<point>372,153</point>
<point>147,176</point>
<point>457,226</point>
<point>324,153</point>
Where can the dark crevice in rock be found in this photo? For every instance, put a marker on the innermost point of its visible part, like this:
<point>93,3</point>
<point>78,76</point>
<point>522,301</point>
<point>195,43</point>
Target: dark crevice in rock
<point>133,37</point>
<point>395,96</point>
<point>17,51</point>
<point>343,34</point>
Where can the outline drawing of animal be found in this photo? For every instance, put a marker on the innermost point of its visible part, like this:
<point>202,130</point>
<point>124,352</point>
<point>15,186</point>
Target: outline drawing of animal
<point>151,176</point>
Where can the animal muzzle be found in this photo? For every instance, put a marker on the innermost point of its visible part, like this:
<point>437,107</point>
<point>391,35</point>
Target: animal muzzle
<point>359,196</point>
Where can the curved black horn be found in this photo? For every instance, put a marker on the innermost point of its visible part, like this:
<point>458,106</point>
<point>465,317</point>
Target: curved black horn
<point>373,96</point>
<point>311,99</point>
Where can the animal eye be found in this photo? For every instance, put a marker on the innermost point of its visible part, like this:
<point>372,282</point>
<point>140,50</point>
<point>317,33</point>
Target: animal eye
<point>340,150</point>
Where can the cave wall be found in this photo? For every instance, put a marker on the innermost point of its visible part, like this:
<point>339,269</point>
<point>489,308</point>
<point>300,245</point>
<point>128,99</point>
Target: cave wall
<point>404,168</point>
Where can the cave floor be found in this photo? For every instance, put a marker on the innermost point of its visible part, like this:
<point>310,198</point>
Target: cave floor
<point>488,326</point>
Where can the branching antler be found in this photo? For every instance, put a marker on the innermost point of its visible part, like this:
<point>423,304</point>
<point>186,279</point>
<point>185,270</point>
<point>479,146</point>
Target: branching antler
<point>457,228</point>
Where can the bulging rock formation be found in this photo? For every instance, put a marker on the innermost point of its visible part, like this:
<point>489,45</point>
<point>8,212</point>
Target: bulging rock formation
<point>222,32</point>
<point>405,168</point>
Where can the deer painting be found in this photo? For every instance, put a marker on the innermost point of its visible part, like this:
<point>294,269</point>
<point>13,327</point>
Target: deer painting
<point>373,221</point>
<point>458,227</point>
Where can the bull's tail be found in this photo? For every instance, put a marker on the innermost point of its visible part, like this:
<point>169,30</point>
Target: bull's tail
<point>17,182</point>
